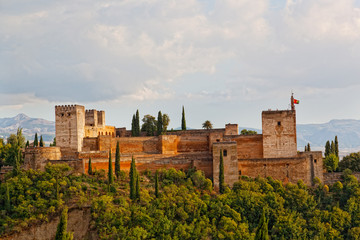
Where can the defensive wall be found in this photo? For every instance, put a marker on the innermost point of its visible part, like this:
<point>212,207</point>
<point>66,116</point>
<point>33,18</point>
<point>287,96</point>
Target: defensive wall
<point>82,134</point>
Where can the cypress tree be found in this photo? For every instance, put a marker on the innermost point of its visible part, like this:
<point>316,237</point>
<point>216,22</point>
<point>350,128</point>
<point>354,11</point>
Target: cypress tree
<point>157,184</point>
<point>27,144</point>
<point>54,142</point>
<point>90,167</point>
<point>137,192</point>
<point>7,199</point>
<point>159,124</point>
<point>183,121</point>
<point>36,143</point>
<point>332,147</point>
<point>305,149</point>
<point>16,169</point>
<point>132,176</point>
<point>327,149</point>
<point>336,146</point>
<point>61,233</point>
<point>110,172</point>
<point>262,229</point>
<point>133,126</point>
<point>41,141</point>
<point>117,161</point>
<point>308,147</point>
<point>137,123</point>
<point>221,174</point>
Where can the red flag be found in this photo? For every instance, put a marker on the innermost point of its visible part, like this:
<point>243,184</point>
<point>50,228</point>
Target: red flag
<point>296,101</point>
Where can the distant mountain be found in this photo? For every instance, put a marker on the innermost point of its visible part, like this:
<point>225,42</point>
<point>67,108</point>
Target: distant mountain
<point>347,130</point>
<point>29,126</point>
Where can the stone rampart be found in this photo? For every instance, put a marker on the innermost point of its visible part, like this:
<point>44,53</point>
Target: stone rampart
<point>37,157</point>
<point>332,177</point>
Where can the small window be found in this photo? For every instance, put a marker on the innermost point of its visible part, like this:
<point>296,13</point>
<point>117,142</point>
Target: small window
<point>264,165</point>
<point>217,140</point>
<point>225,153</point>
<point>239,172</point>
<point>69,114</point>
<point>314,160</point>
<point>279,123</point>
<point>62,114</point>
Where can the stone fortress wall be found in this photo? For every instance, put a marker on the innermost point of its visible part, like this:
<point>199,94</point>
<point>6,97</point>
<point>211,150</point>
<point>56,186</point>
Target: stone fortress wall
<point>82,134</point>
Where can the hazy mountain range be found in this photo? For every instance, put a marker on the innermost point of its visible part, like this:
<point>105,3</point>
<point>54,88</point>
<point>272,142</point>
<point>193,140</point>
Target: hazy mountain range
<point>348,131</point>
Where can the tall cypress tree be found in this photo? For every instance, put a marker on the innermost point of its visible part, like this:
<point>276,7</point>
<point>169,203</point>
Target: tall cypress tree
<point>41,141</point>
<point>262,232</point>
<point>61,233</point>
<point>36,143</point>
<point>117,161</point>
<point>132,176</point>
<point>7,199</point>
<point>157,184</point>
<point>336,146</point>
<point>183,121</point>
<point>332,147</point>
<point>308,147</point>
<point>90,167</point>
<point>137,123</point>
<point>133,126</point>
<point>221,174</point>
<point>27,144</point>
<point>110,172</point>
<point>18,160</point>
<point>137,191</point>
<point>159,124</point>
<point>327,149</point>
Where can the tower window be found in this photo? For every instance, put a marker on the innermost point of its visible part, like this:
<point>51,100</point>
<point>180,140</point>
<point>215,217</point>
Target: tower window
<point>62,114</point>
<point>279,123</point>
<point>225,153</point>
<point>314,160</point>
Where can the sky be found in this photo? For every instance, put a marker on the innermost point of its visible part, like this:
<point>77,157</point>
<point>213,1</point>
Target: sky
<point>224,61</point>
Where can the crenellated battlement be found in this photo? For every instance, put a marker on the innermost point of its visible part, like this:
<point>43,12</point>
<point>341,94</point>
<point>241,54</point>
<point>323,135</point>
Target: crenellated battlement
<point>67,108</point>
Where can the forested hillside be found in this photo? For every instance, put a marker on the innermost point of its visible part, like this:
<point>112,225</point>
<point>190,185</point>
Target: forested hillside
<point>186,207</point>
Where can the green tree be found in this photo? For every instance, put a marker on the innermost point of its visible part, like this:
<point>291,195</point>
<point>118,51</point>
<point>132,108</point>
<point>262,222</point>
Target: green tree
<point>183,121</point>
<point>133,126</point>
<point>351,161</point>
<point>18,160</point>
<point>332,147</point>
<point>308,147</point>
<point>262,229</point>
<point>157,184</point>
<point>132,176</point>
<point>110,172</point>
<point>41,141</point>
<point>149,125</point>
<point>165,122</point>
<point>27,144</point>
<point>159,124</point>
<point>36,143</point>
<point>336,146</point>
<point>7,199</point>
<point>117,161</point>
<point>248,132</point>
<point>327,149</point>
<point>137,191</point>
<point>137,123</point>
<point>331,162</point>
<point>61,232</point>
<point>53,144</point>
<point>90,167</point>
<point>221,174</point>
<point>207,125</point>
<point>57,189</point>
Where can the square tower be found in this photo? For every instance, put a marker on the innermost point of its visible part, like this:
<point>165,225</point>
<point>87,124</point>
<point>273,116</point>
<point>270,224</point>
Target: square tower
<point>70,127</point>
<point>279,134</point>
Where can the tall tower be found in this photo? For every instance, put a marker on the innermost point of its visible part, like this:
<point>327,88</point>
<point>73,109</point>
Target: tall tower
<point>279,133</point>
<point>70,127</point>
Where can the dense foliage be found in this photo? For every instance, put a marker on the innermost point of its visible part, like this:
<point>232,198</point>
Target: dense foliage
<point>186,206</point>
<point>351,161</point>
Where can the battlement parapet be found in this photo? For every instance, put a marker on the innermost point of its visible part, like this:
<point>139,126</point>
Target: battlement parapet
<point>66,108</point>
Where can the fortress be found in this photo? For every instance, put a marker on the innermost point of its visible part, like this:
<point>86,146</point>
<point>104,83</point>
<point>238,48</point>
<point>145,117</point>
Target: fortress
<point>81,134</point>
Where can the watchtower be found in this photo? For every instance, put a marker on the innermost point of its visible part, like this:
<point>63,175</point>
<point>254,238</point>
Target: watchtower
<point>279,133</point>
<point>70,127</point>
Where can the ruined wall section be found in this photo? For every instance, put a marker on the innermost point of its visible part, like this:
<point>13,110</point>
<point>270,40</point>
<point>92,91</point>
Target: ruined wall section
<point>231,174</point>
<point>279,134</point>
<point>231,129</point>
<point>37,157</point>
<point>70,127</point>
